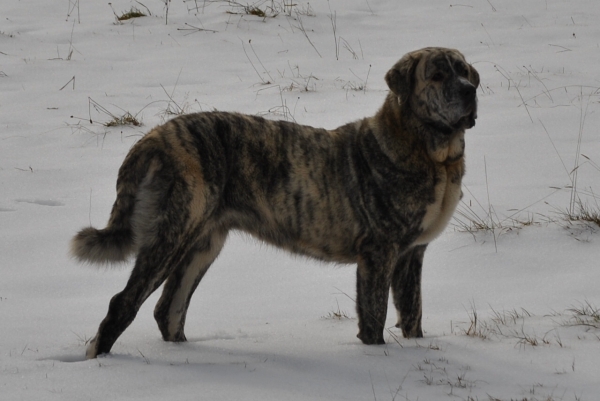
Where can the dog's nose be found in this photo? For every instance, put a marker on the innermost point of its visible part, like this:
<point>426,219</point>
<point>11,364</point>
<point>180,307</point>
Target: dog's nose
<point>467,91</point>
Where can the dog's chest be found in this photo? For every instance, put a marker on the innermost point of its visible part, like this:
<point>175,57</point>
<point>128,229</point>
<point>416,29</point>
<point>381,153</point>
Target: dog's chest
<point>447,194</point>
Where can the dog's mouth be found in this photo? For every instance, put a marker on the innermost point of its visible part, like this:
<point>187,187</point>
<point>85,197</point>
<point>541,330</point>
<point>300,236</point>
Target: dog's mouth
<point>463,116</point>
<point>468,120</point>
<point>449,127</point>
<point>464,123</point>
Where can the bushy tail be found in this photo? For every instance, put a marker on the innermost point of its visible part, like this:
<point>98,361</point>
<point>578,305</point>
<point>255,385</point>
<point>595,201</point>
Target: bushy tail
<point>102,246</point>
<point>116,242</point>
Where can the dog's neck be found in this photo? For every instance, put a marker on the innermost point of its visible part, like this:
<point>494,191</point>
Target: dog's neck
<point>448,151</point>
<point>443,143</point>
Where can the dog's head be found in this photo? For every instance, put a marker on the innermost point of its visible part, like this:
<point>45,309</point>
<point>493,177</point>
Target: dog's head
<point>438,85</point>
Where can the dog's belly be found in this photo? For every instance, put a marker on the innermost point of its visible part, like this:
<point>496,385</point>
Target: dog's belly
<point>331,246</point>
<point>447,195</point>
<point>326,230</point>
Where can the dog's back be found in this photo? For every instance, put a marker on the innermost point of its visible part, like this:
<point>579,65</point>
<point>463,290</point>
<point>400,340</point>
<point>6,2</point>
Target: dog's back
<point>284,183</point>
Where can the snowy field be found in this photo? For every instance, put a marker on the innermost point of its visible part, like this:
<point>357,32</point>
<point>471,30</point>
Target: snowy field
<point>511,289</point>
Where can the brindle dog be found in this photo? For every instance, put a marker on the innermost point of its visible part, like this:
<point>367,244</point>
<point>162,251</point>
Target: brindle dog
<point>373,192</point>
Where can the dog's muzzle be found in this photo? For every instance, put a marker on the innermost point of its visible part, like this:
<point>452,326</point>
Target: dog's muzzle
<point>468,94</point>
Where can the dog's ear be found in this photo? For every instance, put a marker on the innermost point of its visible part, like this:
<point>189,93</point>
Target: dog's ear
<point>473,76</point>
<point>400,78</point>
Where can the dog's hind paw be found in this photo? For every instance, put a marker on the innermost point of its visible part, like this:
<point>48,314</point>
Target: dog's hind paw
<point>92,349</point>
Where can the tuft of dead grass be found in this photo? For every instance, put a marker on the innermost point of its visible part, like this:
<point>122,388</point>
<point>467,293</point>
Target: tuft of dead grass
<point>132,13</point>
<point>115,121</point>
<point>125,119</point>
<point>584,314</point>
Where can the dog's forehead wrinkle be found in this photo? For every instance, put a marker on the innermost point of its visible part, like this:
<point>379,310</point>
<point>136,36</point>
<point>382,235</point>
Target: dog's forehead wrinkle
<point>440,63</point>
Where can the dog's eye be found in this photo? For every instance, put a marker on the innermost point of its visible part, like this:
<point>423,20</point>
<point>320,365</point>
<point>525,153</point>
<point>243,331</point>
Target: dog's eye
<point>437,77</point>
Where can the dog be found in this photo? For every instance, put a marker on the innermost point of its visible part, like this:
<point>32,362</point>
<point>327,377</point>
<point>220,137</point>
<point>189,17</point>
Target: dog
<point>374,192</point>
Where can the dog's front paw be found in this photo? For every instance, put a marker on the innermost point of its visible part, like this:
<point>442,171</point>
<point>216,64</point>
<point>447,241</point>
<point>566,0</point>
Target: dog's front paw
<point>410,333</point>
<point>371,339</point>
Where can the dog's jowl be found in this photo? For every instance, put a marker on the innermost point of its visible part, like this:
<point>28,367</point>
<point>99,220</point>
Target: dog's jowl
<point>373,192</point>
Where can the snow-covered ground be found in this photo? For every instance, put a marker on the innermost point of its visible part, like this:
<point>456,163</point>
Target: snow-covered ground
<point>499,305</point>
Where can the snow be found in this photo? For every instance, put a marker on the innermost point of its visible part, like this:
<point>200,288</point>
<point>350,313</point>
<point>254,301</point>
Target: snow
<point>265,325</point>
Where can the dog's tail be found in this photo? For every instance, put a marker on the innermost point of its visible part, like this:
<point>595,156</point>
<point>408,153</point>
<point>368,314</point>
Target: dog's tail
<point>108,245</point>
<point>117,241</point>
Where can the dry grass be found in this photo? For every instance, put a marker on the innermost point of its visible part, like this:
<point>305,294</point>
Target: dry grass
<point>125,119</point>
<point>582,213</point>
<point>132,13</point>
<point>585,314</point>
<point>115,120</point>
<point>261,9</point>
<point>337,314</point>
<point>512,325</point>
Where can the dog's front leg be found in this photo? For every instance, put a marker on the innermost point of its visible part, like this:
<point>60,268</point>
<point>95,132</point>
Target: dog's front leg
<point>372,290</point>
<point>406,288</point>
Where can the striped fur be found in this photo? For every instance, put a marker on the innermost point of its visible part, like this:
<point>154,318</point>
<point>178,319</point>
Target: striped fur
<point>373,192</point>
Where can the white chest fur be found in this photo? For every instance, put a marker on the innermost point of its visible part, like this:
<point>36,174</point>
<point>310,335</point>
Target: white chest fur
<point>447,190</point>
<point>438,214</point>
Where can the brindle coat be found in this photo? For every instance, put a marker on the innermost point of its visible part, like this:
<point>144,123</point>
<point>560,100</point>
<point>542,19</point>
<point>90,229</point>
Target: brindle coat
<point>373,192</point>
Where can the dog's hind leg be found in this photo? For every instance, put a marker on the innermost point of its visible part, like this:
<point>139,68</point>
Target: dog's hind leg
<point>153,265</point>
<point>171,309</point>
<point>406,290</point>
